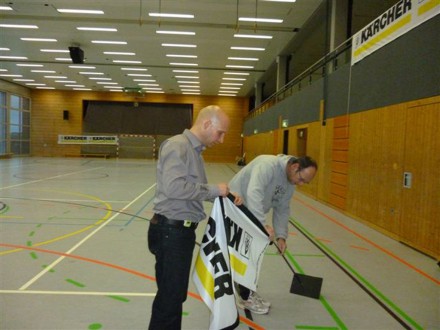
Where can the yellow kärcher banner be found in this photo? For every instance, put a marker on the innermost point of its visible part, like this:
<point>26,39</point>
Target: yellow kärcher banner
<point>87,139</point>
<point>396,21</point>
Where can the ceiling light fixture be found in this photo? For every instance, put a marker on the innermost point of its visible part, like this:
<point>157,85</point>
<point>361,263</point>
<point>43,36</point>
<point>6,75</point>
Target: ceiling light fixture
<point>19,26</point>
<point>5,8</point>
<point>179,45</point>
<point>127,62</point>
<point>252,36</point>
<point>14,57</point>
<point>120,53</point>
<point>243,58</point>
<point>39,39</point>
<point>80,11</point>
<point>184,64</point>
<point>84,28</point>
<point>109,42</point>
<point>181,56</point>
<point>31,65</point>
<point>54,50</point>
<point>169,15</point>
<point>188,33</point>
<point>249,48</point>
<point>240,66</point>
<point>260,20</point>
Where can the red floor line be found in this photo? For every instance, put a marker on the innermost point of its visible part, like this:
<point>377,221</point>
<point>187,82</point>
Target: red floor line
<point>359,247</point>
<point>369,241</point>
<point>127,270</point>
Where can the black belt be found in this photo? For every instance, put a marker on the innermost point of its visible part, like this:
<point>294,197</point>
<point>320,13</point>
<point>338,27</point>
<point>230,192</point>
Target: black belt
<point>160,219</point>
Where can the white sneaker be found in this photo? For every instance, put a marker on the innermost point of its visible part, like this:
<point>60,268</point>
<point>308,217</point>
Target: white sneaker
<point>261,300</point>
<point>252,304</point>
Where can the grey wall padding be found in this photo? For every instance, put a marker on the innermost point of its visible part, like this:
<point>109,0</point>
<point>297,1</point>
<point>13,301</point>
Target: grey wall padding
<point>136,118</point>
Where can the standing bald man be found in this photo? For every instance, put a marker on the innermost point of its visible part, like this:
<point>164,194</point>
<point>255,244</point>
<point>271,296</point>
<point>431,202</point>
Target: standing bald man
<point>178,208</point>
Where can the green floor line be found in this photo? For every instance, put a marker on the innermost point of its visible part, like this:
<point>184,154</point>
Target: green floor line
<point>327,306</point>
<point>80,285</point>
<point>310,327</point>
<point>119,298</point>
<point>361,279</point>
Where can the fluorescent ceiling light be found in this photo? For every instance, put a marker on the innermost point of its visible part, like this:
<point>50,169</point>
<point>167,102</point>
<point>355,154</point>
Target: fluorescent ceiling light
<point>237,73</point>
<point>260,20</point>
<point>179,45</point>
<point>82,67</point>
<point>252,36</point>
<point>66,81</point>
<point>170,15</point>
<point>11,75</point>
<point>109,42</point>
<point>107,83</point>
<point>80,11</point>
<point>182,56</point>
<point>231,88</point>
<point>188,82</point>
<point>144,80</point>
<point>5,8</point>
<point>186,71</point>
<point>14,57</point>
<point>119,53</point>
<point>84,28</point>
<point>138,75</point>
<point>187,77</point>
<point>99,78</point>
<point>55,77</point>
<point>30,65</point>
<point>187,86</point>
<point>127,62</point>
<point>35,84</point>
<point>249,48</point>
<point>231,84</point>
<point>54,50</point>
<point>19,26</point>
<point>134,69</point>
<point>82,89</point>
<point>91,73</point>
<point>235,79</point>
<point>152,88</point>
<point>24,80</point>
<point>243,58</point>
<point>151,85</point>
<point>188,33</point>
<point>43,71</point>
<point>39,39</point>
<point>75,86</point>
<point>45,87</point>
<point>4,49</point>
<point>240,66</point>
<point>65,59</point>
<point>184,64</point>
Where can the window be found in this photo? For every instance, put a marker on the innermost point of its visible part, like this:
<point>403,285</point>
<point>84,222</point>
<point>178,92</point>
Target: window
<point>14,124</point>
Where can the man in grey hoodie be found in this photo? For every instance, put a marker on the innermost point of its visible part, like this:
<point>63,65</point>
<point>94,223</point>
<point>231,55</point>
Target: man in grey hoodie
<point>266,183</point>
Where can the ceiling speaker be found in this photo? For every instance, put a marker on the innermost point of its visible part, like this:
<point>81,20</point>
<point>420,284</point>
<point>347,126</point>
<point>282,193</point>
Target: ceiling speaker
<point>77,55</point>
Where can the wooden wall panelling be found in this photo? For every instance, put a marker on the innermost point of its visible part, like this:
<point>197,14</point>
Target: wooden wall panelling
<point>339,162</point>
<point>325,161</point>
<point>420,215</point>
<point>259,144</point>
<point>48,123</point>
<point>376,154</point>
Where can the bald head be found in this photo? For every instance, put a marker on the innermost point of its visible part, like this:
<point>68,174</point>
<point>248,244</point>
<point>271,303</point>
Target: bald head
<point>211,125</point>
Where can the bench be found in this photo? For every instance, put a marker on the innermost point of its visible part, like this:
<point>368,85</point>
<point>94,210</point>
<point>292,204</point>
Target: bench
<point>89,155</point>
<point>4,156</point>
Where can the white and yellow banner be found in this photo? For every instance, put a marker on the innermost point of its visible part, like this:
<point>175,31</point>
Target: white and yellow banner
<point>396,21</point>
<point>87,139</point>
<point>232,250</point>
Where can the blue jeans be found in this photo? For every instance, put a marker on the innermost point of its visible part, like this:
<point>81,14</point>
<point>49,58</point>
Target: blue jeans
<point>173,248</point>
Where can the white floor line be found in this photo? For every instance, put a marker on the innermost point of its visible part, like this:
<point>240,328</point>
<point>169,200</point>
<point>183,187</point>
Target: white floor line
<point>80,293</point>
<point>33,280</point>
<point>50,178</point>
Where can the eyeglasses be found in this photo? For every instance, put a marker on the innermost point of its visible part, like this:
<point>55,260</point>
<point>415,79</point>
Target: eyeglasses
<point>301,179</point>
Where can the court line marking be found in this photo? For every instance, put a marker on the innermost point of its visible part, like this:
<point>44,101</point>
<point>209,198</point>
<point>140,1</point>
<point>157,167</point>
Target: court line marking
<point>50,178</point>
<point>243,319</point>
<point>53,264</point>
<point>377,246</point>
<point>80,293</point>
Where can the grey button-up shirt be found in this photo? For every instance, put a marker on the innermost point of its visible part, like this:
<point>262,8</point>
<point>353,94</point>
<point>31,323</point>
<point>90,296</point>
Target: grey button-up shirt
<point>181,180</point>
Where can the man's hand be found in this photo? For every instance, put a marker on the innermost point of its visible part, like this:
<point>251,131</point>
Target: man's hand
<point>238,200</point>
<point>270,231</point>
<point>224,189</point>
<point>282,245</point>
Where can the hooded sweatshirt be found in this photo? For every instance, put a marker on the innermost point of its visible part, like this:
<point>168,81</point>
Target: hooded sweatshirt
<point>263,185</point>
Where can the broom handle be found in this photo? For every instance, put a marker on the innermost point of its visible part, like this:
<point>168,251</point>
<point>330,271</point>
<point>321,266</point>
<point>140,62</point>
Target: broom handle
<point>285,259</point>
